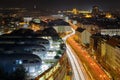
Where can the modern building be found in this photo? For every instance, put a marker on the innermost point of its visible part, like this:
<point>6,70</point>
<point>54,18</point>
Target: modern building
<point>31,63</point>
<point>38,50</point>
<point>38,41</point>
<point>56,72</point>
<point>41,46</point>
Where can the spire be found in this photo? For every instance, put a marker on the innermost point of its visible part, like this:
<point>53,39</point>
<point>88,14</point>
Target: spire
<point>34,6</point>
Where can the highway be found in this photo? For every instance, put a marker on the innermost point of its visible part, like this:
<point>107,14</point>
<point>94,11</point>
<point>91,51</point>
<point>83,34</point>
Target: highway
<point>77,67</point>
<point>94,71</point>
<point>91,66</point>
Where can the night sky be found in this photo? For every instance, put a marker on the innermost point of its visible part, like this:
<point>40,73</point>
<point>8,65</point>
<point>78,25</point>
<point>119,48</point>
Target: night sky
<point>61,4</point>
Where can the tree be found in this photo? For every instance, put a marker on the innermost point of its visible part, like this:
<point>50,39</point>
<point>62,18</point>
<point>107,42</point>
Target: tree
<point>2,73</point>
<point>57,57</point>
<point>18,74</point>
<point>59,52</point>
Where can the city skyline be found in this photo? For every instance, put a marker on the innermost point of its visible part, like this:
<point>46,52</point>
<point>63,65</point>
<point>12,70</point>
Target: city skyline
<point>63,5</point>
<point>37,42</point>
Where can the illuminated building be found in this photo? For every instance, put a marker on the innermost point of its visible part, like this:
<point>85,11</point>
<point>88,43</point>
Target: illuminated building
<point>61,26</point>
<point>88,16</point>
<point>95,10</point>
<point>110,32</point>
<point>56,72</point>
<point>76,11</point>
<point>66,19</point>
<point>27,19</point>
<point>58,16</point>
<point>27,42</point>
<point>31,63</point>
<point>108,15</point>
<point>112,57</point>
<point>106,50</point>
<point>83,35</point>
<point>37,24</point>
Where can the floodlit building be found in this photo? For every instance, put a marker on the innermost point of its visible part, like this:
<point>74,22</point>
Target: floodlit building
<point>31,63</point>
<point>36,51</point>
<point>112,57</point>
<point>95,10</point>
<point>38,41</point>
<point>110,32</point>
<point>106,49</point>
<point>83,36</point>
<point>61,26</point>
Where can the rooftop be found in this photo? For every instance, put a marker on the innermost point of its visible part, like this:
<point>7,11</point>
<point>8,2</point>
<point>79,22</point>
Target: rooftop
<point>80,29</point>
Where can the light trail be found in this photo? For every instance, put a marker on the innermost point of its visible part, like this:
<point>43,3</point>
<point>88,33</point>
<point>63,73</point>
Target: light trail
<point>78,69</point>
<point>76,66</point>
<point>79,73</point>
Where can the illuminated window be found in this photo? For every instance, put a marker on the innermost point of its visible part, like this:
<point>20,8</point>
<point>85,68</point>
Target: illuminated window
<point>18,61</point>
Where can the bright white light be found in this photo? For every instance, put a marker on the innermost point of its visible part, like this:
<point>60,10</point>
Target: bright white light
<point>43,62</point>
<point>31,69</point>
<point>51,53</point>
<point>20,62</point>
<point>51,46</point>
<point>44,67</point>
<point>61,15</point>
<point>49,57</point>
<point>34,74</point>
<point>76,65</point>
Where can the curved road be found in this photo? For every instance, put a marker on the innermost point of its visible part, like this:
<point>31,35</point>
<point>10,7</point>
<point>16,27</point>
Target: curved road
<point>77,67</point>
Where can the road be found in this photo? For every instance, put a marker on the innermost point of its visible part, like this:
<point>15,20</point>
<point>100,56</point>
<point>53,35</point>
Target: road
<point>78,70</point>
<point>94,70</point>
<point>77,67</point>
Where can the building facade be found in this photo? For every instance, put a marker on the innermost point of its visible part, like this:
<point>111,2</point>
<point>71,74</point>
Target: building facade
<point>106,49</point>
